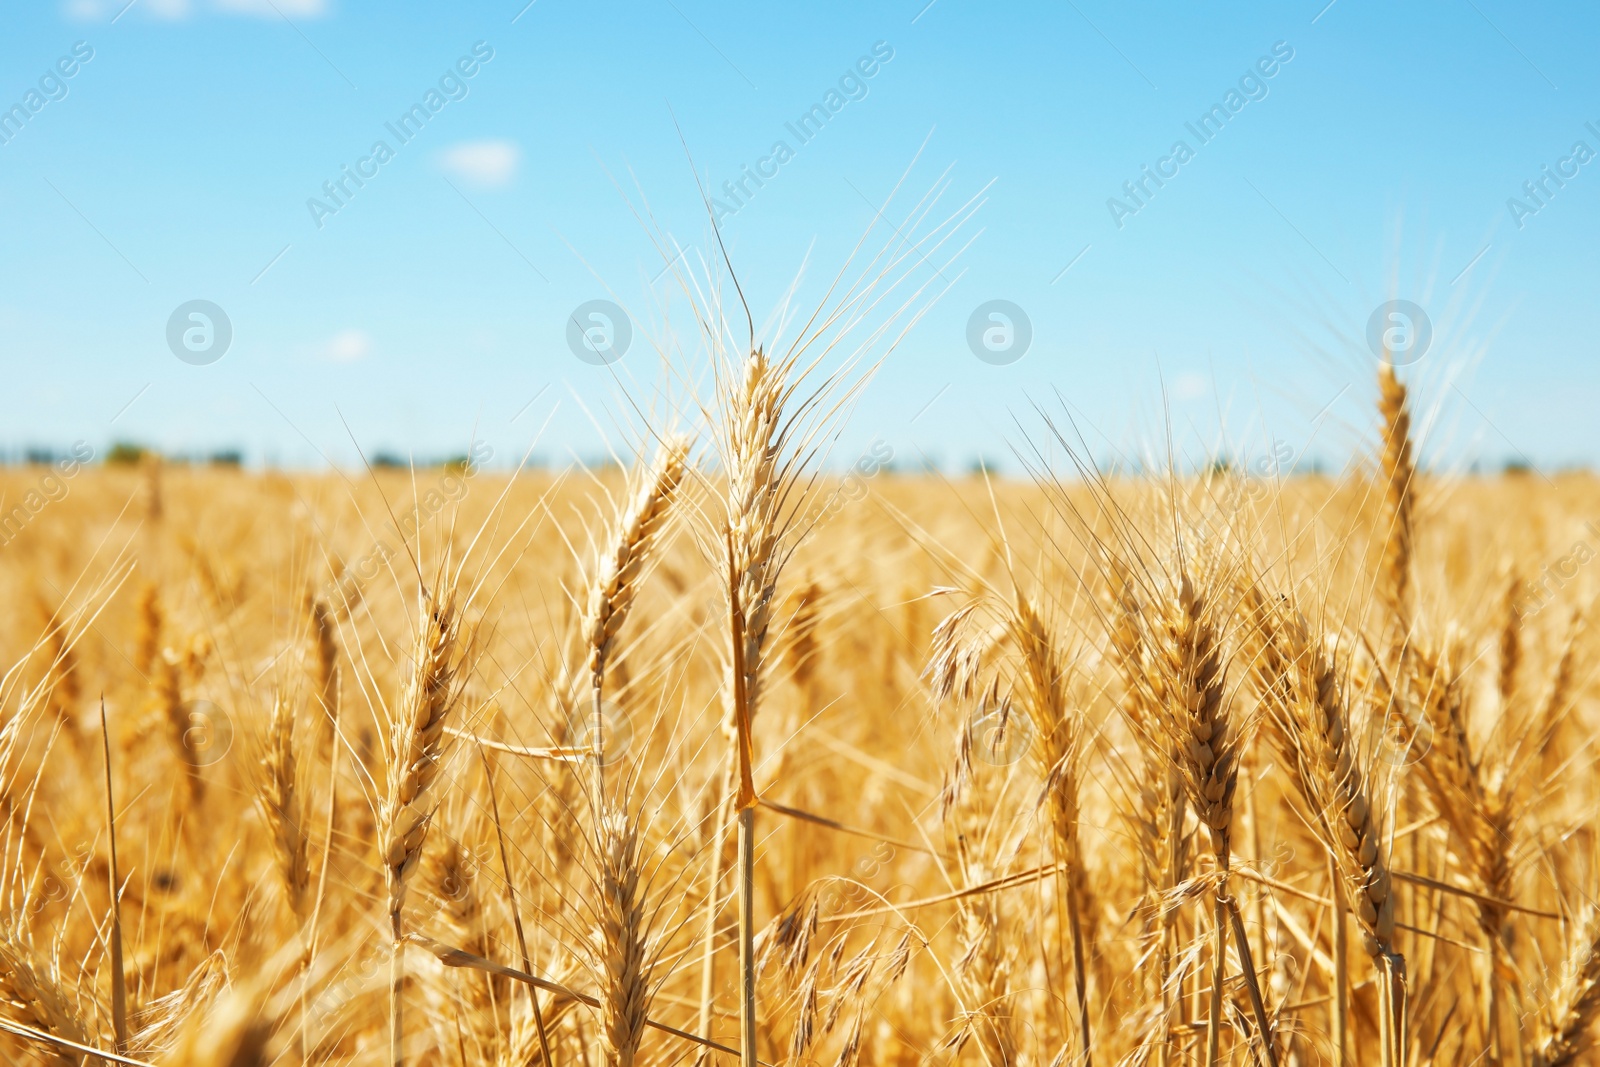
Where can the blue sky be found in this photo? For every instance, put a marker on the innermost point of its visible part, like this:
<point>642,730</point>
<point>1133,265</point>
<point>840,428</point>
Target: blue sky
<point>1376,162</point>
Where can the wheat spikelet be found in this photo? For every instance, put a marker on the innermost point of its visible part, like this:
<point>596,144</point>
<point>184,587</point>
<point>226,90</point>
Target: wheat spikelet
<point>415,746</point>
<point>325,675</point>
<point>414,749</point>
<point>1510,640</point>
<point>1481,813</point>
<point>283,803</point>
<point>985,974</point>
<point>1199,732</point>
<point>1196,714</point>
<point>147,635</point>
<point>36,994</point>
<point>802,651</point>
<point>1557,703</point>
<point>1059,731</point>
<point>1399,491</point>
<point>233,1033</point>
<point>1301,684</point>
<point>1566,1031</point>
<point>754,523</point>
<point>455,882</point>
<point>625,554</point>
<point>1158,830</point>
<point>620,939</point>
<point>159,1024</point>
<point>1061,748</point>
<point>180,729</point>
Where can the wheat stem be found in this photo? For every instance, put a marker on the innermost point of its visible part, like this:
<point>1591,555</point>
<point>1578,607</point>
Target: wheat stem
<point>1340,1000</point>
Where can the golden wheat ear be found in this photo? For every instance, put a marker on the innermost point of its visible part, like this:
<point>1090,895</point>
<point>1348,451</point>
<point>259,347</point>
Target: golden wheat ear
<point>625,554</point>
<point>414,751</point>
<point>282,801</point>
<point>1306,695</point>
<point>620,940</point>
<point>1398,469</point>
<point>1566,1031</point>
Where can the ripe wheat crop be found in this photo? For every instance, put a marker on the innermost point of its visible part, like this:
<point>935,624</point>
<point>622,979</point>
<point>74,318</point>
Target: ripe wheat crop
<point>654,767</point>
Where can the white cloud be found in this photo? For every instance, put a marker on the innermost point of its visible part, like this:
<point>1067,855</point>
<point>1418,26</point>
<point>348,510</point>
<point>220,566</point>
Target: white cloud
<point>347,346</point>
<point>1191,386</point>
<point>305,9</point>
<point>176,10</point>
<point>483,163</point>
<point>167,9</point>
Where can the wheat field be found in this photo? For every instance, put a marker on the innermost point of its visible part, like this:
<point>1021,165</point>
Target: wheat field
<point>713,759</point>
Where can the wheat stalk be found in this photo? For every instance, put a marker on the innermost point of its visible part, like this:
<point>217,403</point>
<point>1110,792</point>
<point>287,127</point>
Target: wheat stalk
<point>753,526</point>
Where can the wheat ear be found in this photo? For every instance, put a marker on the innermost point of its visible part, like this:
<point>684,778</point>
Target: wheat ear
<point>1060,733</point>
<point>620,940</point>
<point>619,570</point>
<point>326,673</point>
<point>284,805</point>
<point>1206,743</point>
<point>232,1033</point>
<point>985,971</point>
<point>1482,814</point>
<point>39,998</point>
<point>621,563</point>
<point>1510,640</point>
<point>1303,690</point>
<point>751,534</point>
<point>1399,491</point>
<point>147,635</point>
<point>1567,1031</point>
<point>1162,844</point>
<point>415,747</point>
